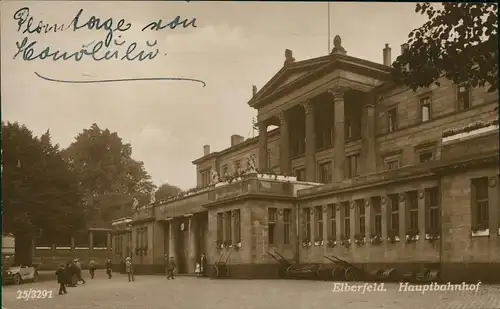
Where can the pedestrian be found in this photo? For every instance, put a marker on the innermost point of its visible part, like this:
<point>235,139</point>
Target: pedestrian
<point>78,269</point>
<point>197,269</point>
<point>129,269</point>
<point>70,275</point>
<point>203,264</point>
<point>62,279</point>
<point>109,268</point>
<point>92,269</point>
<point>165,264</point>
<point>171,267</point>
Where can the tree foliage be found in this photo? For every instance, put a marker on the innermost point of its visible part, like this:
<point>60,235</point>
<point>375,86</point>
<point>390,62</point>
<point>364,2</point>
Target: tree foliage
<point>459,41</point>
<point>165,191</point>
<point>39,192</point>
<point>107,174</point>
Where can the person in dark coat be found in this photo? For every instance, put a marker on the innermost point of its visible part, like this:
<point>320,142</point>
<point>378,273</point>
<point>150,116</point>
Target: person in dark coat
<point>62,279</point>
<point>171,267</point>
<point>109,268</point>
<point>69,274</point>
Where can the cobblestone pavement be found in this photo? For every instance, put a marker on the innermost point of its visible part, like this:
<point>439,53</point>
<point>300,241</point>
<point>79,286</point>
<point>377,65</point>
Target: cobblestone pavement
<point>155,292</point>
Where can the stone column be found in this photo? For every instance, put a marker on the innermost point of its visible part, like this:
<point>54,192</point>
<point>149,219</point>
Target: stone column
<point>310,142</point>
<point>91,241</point>
<point>192,236</point>
<point>339,136</point>
<point>109,241</point>
<point>263,155</point>
<point>284,145</point>
<point>368,158</point>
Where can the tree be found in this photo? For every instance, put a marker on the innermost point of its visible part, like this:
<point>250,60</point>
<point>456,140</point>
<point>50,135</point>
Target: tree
<point>109,178</point>
<point>165,191</point>
<point>459,42</point>
<point>39,192</point>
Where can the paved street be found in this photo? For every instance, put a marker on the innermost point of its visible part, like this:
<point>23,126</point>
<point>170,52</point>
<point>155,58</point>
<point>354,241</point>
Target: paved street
<point>155,292</point>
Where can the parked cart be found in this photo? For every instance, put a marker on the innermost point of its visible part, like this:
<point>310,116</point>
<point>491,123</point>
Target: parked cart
<point>347,271</point>
<point>287,270</point>
<point>221,269</point>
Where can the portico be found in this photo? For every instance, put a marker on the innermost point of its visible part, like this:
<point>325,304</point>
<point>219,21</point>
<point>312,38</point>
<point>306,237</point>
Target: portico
<point>330,102</point>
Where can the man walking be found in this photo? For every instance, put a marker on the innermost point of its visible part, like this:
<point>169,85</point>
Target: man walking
<point>171,267</point>
<point>78,267</point>
<point>129,269</point>
<point>62,279</point>
<point>109,268</point>
<point>92,269</point>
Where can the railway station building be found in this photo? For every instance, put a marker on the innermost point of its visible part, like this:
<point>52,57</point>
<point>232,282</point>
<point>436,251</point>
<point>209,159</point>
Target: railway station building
<point>346,164</point>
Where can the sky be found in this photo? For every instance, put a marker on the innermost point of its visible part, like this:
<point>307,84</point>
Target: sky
<point>234,46</point>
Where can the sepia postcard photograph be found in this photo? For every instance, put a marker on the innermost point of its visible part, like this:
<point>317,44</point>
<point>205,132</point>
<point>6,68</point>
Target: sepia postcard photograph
<point>249,154</point>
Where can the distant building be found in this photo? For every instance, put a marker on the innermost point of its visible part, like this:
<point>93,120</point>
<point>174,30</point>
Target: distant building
<point>370,160</point>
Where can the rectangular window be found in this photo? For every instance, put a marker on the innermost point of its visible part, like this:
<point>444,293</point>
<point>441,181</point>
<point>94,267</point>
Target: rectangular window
<point>287,225</point>
<point>237,225</point>
<point>319,222</point>
<point>425,109</point>
<point>271,225</point>
<point>205,178</point>
<point>220,227</point>
<point>360,205</point>
<point>307,224</point>
<point>464,97</point>
<point>425,156</point>
<point>412,206</point>
<point>392,119</point>
<point>392,164</point>
<point>480,204</point>
<point>228,228</point>
<point>432,209</point>
<point>377,215</point>
<point>353,167</point>
<point>300,174</point>
<point>394,214</point>
<point>332,217</point>
<point>325,172</point>
<point>346,218</point>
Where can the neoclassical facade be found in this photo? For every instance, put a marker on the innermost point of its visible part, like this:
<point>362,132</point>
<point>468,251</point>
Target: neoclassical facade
<point>355,166</point>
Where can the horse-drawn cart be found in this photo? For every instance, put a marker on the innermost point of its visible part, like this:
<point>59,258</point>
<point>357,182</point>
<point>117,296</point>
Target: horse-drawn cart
<point>221,269</point>
<point>287,270</point>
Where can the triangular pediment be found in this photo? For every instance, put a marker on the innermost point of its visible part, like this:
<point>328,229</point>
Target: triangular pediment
<point>290,73</point>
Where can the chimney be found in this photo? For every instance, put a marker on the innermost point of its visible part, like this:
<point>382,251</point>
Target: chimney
<point>206,150</point>
<point>254,90</point>
<point>236,139</point>
<point>387,55</point>
<point>404,47</point>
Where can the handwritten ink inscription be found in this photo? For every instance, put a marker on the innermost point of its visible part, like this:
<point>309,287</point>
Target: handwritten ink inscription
<point>107,49</point>
<point>112,46</point>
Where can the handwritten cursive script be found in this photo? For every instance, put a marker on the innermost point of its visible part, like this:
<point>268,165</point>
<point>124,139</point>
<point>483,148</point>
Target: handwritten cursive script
<point>112,47</point>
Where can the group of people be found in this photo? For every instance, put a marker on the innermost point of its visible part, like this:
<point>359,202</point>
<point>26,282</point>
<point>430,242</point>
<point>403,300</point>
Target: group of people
<point>70,274</point>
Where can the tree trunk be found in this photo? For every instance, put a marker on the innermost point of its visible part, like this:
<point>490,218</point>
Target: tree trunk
<point>23,249</point>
